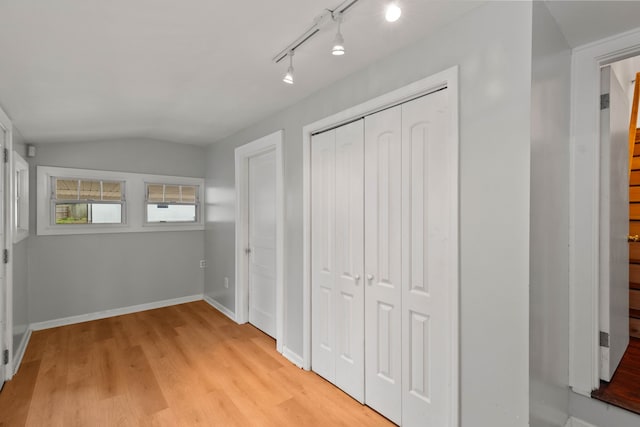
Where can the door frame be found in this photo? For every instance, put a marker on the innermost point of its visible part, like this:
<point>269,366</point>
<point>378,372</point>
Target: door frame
<point>447,78</point>
<point>584,217</point>
<point>242,154</point>
<point>8,193</point>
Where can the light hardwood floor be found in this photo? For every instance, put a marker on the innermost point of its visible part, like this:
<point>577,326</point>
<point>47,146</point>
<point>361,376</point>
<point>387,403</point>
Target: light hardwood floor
<point>177,366</point>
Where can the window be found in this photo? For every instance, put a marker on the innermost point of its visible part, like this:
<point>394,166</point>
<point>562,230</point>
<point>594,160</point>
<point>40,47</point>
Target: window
<point>87,201</point>
<point>83,201</point>
<point>21,198</point>
<point>166,203</point>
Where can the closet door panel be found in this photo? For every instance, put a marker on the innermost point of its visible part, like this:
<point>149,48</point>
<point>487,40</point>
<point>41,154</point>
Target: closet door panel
<point>349,262</point>
<point>323,274</point>
<point>383,200</point>
<point>427,222</point>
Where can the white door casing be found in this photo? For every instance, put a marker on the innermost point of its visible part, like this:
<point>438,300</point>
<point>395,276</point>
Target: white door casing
<point>614,225</point>
<point>383,268</point>
<point>6,241</point>
<point>262,242</point>
<point>429,225</point>
<point>5,371</point>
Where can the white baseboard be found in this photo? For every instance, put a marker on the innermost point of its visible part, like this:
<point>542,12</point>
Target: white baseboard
<point>113,312</point>
<point>292,356</point>
<point>576,422</point>
<point>17,358</point>
<point>221,308</point>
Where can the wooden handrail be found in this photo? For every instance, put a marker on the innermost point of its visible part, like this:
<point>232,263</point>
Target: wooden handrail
<point>633,123</point>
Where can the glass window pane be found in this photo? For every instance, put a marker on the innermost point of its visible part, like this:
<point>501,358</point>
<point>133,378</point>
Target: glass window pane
<point>111,190</point>
<point>171,193</point>
<point>106,213</point>
<point>171,213</point>
<point>72,213</point>
<point>66,189</point>
<point>155,193</point>
<point>189,193</point>
<point>89,190</point>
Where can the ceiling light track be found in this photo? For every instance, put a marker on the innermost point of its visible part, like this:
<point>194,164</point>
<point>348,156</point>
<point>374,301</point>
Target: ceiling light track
<point>326,18</point>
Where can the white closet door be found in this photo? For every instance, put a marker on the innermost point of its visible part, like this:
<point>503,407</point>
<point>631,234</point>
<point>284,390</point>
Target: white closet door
<point>349,264</point>
<point>262,241</point>
<point>428,262</point>
<point>323,255</point>
<point>383,200</point>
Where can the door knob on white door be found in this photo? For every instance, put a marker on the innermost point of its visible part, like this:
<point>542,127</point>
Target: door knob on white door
<point>370,278</point>
<point>356,278</point>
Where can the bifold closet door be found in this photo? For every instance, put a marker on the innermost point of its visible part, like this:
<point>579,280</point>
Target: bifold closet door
<point>429,261</point>
<point>337,264</point>
<point>383,268</point>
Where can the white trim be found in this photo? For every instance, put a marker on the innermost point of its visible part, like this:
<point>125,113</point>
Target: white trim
<point>38,326</point>
<point>292,356</point>
<point>20,165</point>
<point>584,204</point>
<point>242,154</point>
<point>17,358</point>
<point>135,202</point>
<point>221,308</point>
<point>576,422</point>
<point>7,241</point>
<point>447,78</point>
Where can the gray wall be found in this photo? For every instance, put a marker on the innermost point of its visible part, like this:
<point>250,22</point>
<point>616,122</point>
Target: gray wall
<point>549,292</point>
<point>78,274</point>
<point>19,259</point>
<point>492,46</point>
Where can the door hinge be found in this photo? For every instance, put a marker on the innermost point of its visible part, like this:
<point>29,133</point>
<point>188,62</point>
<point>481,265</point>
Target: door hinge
<point>5,256</point>
<point>6,155</point>
<point>604,101</point>
<point>604,339</point>
<point>5,357</point>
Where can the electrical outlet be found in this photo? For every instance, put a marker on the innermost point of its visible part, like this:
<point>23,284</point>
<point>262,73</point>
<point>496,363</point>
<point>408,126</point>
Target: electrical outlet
<point>226,282</point>
<point>203,263</point>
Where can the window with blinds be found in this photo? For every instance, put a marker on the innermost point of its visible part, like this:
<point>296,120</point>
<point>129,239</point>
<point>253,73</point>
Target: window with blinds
<point>87,201</point>
<point>171,203</point>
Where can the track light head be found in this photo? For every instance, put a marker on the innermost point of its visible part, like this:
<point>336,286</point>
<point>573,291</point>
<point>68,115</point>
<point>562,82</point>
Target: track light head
<point>338,45</point>
<point>338,42</point>
<point>392,12</point>
<point>288,78</point>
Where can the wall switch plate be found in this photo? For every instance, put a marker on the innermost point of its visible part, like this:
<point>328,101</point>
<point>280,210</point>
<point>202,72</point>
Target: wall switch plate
<point>203,263</point>
<point>226,282</point>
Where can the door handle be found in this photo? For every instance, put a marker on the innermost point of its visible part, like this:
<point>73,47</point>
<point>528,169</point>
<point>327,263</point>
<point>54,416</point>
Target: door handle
<point>370,278</point>
<point>356,278</point>
<point>247,251</point>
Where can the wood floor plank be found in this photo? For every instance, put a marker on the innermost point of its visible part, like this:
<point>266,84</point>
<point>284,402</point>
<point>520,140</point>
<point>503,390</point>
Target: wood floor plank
<point>185,365</point>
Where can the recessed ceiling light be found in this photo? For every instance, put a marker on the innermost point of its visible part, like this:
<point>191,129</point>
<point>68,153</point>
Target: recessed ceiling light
<point>393,12</point>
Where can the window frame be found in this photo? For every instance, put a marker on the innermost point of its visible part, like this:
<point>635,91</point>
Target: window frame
<point>134,215</point>
<point>197,203</point>
<point>20,198</point>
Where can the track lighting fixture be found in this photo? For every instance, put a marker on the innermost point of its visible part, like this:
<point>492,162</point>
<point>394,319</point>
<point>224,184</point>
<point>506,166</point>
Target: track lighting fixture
<point>288,78</point>
<point>338,42</point>
<point>392,12</point>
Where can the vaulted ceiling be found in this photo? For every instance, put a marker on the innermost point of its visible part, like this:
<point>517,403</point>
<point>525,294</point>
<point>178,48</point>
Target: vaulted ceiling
<point>196,71</point>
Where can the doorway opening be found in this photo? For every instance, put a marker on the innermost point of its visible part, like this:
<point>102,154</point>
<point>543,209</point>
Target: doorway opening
<point>259,236</point>
<point>619,303</point>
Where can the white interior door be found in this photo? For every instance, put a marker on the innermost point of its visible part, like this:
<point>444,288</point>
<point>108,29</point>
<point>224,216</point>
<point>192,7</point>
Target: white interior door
<point>428,260</point>
<point>349,264</point>
<point>4,140</point>
<point>262,242</point>
<point>614,225</point>
<point>383,231</point>
<point>323,359</point>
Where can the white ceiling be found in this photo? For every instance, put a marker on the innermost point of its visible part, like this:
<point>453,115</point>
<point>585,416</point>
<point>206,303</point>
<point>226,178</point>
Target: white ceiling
<point>584,22</point>
<point>186,71</point>
<point>196,71</point>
